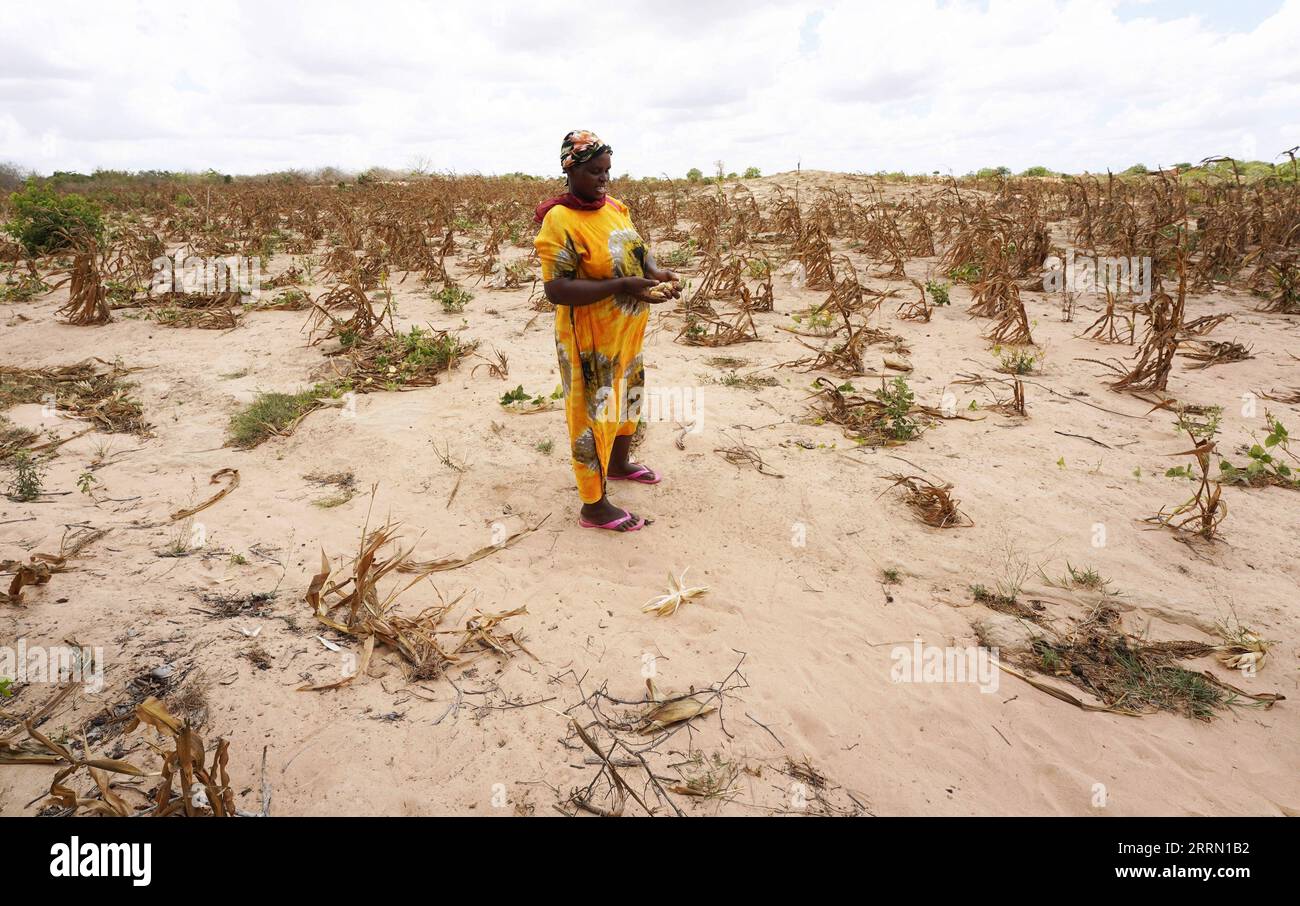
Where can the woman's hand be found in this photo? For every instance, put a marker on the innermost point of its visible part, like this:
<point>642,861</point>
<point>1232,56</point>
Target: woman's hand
<point>638,287</point>
<point>663,276</point>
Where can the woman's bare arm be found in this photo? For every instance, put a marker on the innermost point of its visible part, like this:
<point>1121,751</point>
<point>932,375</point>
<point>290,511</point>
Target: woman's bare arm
<point>574,292</point>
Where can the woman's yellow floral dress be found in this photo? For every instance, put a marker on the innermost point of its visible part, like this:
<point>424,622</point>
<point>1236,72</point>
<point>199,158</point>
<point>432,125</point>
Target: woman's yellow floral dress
<point>598,345</point>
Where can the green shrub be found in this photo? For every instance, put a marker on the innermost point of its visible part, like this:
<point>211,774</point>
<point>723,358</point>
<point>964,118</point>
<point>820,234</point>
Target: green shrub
<point>26,485</point>
<point>897,399</point>
<point>453,298</point>
<point>752,173</point>
<point>1018,361</point>
<point>694,174</point>
<point>41,218</point>
<point>1037,171</point>
<point>938,292</point>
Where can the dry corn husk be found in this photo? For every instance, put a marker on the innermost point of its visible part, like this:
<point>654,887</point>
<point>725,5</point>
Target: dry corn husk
<point>1242,649</point>
<point>666,605</point>
<point>662,714</point>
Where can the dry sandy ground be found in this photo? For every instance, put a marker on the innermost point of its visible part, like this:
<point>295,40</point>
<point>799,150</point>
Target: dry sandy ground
<point>815,623</point>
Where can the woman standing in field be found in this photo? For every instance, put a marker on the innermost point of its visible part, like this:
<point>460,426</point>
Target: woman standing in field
<point>598,272</point>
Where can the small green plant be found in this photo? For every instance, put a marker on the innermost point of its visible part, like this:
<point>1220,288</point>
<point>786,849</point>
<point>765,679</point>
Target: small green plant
<point>681,256</point>
<point>816,320</point>
<point>891,576</point>
<point>518,395</point>
<point>1018,361</point>
<point>938,292</point>
<point>28,475</point>
<point>24,290</point>
<point>453,298</point>
<point>545,446</point>
<point>238,560</point>
<point>290,297</point>
<point>965,273</point>
<point>86,482</point>
<point>1086,578</point>
<point>6,687</point>
<point>984,596</point>
<point>897,399</point>
<point>759,269</point>
<point>1264,467</point>
<point>1201,422</point>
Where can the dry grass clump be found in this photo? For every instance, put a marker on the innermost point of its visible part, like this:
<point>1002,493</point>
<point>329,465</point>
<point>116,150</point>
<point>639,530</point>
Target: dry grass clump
<point>353,605</point>
<point>1133,676</point>
<point>91,390</point>
<point>931,503</point>
<point>1209,352</point>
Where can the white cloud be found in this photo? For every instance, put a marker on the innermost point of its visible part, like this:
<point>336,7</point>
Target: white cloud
<point>485,87</point>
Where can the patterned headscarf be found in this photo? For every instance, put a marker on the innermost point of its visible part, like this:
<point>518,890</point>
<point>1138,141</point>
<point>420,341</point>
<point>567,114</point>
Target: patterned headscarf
<point>580,146</point>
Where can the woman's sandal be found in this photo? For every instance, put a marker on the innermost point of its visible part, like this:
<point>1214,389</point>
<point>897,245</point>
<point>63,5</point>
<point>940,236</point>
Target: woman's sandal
<point>654,478</point>
<point>613,525</point>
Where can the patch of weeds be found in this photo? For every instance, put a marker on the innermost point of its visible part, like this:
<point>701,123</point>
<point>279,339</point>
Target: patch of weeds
<point>814,320</point>
<point>896,397</point>
<point>680,256</point>
<point>273,415</point>
<point>1017,361</point>
<point>746,382</point>
<point>24,290</point>
<point>1086,578</point>
<point>966,273</point>
<point>26,484</point>
<point>1263,467</point>
<point>545,446</point>
<point>938,292</point>
<point>453,298</point>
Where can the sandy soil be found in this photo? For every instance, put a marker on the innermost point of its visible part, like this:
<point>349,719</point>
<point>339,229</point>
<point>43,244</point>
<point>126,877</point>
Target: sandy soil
<point>815,623</point>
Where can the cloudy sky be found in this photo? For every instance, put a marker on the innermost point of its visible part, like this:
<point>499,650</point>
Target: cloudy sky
<point>492,87</point>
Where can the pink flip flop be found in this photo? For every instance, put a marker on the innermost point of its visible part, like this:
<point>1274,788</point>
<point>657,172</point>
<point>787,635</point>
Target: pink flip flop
<point>614,524</point>
<point>654,478</point>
